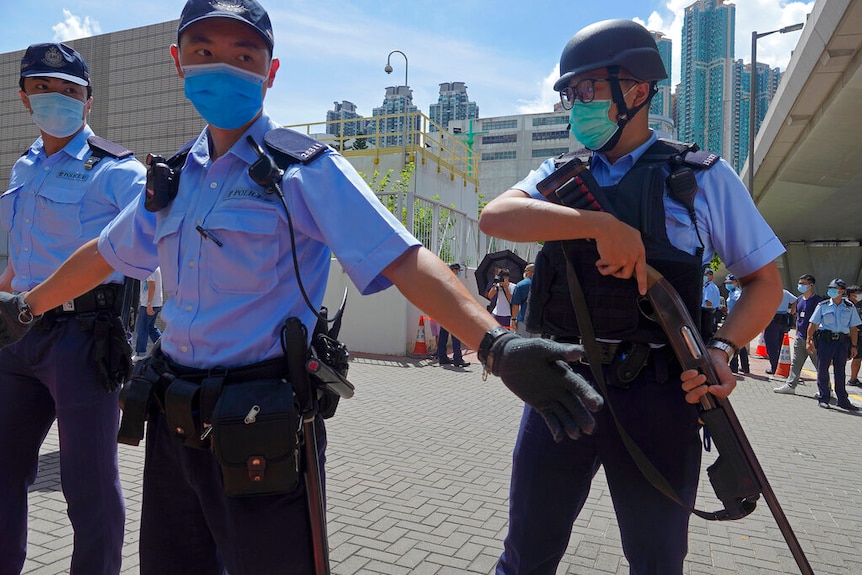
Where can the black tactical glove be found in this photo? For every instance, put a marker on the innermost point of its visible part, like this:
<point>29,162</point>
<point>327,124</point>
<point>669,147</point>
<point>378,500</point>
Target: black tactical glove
<point>536,371</point>
<point>15,318</point>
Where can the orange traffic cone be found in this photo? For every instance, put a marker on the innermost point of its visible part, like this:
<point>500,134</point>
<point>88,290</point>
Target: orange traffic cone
<point>420,348</point>
<point>783,369</point>
<point>761,347</point>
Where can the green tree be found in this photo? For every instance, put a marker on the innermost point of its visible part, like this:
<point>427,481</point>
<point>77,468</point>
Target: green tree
<point>360,142</point>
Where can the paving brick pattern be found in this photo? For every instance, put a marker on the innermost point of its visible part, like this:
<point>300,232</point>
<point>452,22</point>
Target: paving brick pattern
<point>418,476</point>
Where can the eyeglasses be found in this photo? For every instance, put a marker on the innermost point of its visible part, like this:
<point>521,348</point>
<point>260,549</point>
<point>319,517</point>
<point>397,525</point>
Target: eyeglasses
<point>585,91</point>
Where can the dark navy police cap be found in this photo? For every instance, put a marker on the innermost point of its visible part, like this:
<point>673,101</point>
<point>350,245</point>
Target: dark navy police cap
<point>730,278</point>
<point>455,266</point>
<point>837,283</point>
<point>55,61</point>
<point>246,11</point>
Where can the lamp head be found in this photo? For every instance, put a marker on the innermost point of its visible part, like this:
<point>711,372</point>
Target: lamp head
<point>388,69</point>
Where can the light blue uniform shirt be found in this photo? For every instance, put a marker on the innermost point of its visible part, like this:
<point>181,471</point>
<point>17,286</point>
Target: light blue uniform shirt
<point>727,219</point>
<point>838,318</point>
<point>54,205</point>
<point>732,298</point>
<point>712,295</point>
<point>226,304</point>
<point>787,300</point>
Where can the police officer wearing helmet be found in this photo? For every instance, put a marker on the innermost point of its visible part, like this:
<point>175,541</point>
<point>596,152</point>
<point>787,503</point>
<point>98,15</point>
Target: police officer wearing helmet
<point>834,330</point>
<point>63,190</point>
<point>225,249</point>
<point>609,72</point>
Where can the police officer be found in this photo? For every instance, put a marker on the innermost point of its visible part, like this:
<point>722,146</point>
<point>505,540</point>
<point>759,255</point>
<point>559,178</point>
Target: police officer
<point>226,251</point>
<point>709,305</point>
<point>834,330</point>
<point>609,72</point>
<point>65,188</point>
<point>734,292</point>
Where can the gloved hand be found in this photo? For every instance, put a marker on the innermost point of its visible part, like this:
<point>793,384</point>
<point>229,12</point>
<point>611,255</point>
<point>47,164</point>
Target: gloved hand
<point>15,318</point>
<point>536,371</point>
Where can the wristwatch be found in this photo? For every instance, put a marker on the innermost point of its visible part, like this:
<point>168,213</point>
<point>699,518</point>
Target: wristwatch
<point>487,342</point>
<point>724,346</point>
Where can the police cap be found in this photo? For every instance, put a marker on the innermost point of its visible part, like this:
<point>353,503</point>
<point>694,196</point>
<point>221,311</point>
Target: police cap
<point>246,11</point>
<point>618,42</point>
<point>837,283</point>
<point>455,266</point>
<point>53,60</point>
<point>730,278</point>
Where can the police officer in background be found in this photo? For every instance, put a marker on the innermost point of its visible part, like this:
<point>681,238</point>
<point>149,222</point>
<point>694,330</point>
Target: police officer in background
<point>834,330</point>
<point>609,72</point>
<point>225,248</point>
<point>709,305</point>
<point>734,292</point>
<point>65,188</point>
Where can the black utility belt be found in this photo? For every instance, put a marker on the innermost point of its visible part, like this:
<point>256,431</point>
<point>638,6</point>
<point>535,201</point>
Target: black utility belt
<point>247,416</point>
<point>626,360</point>
<point>825,334</point>
<point>104,297</point>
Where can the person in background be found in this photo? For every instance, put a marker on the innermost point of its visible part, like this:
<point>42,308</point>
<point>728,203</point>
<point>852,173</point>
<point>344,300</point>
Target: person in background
<point>503,307</point>
<point>834,330</point>
<point>802,308</point>
<point>151,305</point>
<point>443,339</point>
<point>734,292</point>
<point>66,187</point>
<point>773,335</point>
<point>521,302</point>
<point>709,305</point>
<point>854,294</point>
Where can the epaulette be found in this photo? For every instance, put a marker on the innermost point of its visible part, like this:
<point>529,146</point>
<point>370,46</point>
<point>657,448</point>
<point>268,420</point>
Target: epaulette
<point>291,147</point>
<point>700,159</point>
<point>100,147</point>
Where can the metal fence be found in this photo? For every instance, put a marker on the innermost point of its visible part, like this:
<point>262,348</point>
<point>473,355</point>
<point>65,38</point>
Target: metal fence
<point>451,233</point>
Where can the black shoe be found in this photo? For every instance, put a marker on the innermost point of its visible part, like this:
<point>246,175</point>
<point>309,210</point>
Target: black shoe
<point>446,361</point>
<point>847,405</point>
<point>769,371</point>
<point>823,404</point>
<point>461,363</point>
<point>854,382</point>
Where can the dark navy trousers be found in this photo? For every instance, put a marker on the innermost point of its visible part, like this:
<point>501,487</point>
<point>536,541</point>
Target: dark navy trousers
<point>551,481</point>
<point>773,338</point>
<point>190,527</point>
<point>442,342</point>
<point>834,352</point>
<point>50,375</point>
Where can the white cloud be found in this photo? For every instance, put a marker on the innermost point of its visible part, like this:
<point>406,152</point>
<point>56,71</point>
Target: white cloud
<point>74,26</point>
<point>546,99</point>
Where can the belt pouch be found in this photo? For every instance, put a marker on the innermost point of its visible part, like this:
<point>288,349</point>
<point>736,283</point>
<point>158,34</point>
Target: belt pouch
<point>135,399</point>
<point>255,438</point>
<point>181,411</point>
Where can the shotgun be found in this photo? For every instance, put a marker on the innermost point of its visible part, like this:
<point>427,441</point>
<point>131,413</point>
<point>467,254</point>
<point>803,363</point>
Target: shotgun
<point>736,476</point>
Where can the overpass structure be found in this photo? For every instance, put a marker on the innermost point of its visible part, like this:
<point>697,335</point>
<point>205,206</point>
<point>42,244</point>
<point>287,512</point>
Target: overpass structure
<point>808,151</point>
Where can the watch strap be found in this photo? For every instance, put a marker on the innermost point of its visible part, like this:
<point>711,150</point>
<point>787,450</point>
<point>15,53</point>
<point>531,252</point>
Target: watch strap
<point>487,343</point>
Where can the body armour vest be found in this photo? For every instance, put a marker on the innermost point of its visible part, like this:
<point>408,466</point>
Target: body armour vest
<point>615,304</point>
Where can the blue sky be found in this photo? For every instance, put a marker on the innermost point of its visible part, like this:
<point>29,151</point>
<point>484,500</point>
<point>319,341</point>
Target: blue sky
<point>506,51</point>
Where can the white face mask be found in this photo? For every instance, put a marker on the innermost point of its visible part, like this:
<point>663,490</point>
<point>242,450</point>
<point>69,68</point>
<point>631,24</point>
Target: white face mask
<point>56,114</point>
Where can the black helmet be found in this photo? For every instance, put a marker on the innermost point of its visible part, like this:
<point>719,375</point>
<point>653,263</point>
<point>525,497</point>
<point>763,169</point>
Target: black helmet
<point>623,43</point>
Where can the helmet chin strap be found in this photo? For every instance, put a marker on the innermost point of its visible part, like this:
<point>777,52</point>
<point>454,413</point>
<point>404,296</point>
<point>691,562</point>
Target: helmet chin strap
<point>624,112</point>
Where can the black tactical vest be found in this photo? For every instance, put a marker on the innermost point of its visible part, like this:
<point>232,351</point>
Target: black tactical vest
<point>614,303</point>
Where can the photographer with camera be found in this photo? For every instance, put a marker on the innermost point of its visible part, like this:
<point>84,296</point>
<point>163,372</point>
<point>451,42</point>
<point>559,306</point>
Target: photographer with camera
<point>502,310</point>
<point>228,249</point>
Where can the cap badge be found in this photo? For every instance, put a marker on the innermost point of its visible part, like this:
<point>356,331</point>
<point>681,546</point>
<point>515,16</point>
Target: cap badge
<point>228,6</point>
<point>54,58</point>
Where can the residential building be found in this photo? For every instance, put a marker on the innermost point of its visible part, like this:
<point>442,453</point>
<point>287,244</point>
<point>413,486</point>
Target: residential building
<point>452,104</point>
<point>340,113</point>
<point>661,107</point>
<point>390,118</point>
<point>706,96</point>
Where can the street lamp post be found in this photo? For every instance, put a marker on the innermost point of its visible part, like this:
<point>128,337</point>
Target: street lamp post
<point>388,70</point>
<point>752,96</point>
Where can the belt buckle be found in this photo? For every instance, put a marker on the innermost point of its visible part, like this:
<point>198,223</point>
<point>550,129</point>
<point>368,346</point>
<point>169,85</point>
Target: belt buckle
<point>836,336</point>
<point>69,306</point>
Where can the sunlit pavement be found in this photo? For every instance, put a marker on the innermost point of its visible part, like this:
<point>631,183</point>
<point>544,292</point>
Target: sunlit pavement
<point>418,476</point>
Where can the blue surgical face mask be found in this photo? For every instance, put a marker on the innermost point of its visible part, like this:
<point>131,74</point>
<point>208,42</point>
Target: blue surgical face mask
<point>832,292</point>
<point>225,96</point>
<point>802,288</point>
<point>729,287</point>
<point>56,114</point>
<point>705,279</point>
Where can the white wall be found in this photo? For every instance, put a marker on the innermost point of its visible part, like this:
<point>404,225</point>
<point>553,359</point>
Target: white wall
<point>384,323</point>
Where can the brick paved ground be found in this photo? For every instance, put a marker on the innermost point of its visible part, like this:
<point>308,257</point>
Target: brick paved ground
<point>418,476</point>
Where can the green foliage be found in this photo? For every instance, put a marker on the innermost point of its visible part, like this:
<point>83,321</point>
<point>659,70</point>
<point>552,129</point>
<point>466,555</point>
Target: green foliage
<point>360,142</point>
<point>388,190</point>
